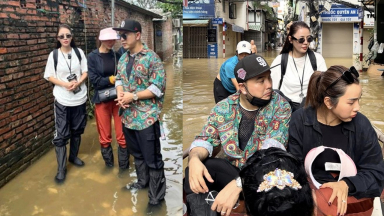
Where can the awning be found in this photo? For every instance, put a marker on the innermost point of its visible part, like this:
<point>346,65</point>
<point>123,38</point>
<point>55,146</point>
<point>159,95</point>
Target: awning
<point>195,23</point>
<point>236,28</point>
<point>255,27</point>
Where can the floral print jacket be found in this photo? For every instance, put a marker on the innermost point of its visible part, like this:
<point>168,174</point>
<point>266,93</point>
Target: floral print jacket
<point>221,130</point>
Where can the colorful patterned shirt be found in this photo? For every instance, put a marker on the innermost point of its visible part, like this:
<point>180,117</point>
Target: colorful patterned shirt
<point>221,130</point>
<point>147,73</point>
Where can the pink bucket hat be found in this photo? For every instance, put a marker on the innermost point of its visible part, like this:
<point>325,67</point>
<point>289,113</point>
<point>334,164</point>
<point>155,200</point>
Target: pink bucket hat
<point>108,34</point>
<point>347,168</point>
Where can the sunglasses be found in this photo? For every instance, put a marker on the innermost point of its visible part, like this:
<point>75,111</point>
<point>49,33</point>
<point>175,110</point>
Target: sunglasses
<point>301,40</point>
<point>348,76</point>
<point>68,36</point>
<point>124,35</point>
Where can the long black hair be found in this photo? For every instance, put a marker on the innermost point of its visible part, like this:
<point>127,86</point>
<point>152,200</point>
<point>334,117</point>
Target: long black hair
<point>58,44</point>
<point>292,30</point>
<point>275,202</point>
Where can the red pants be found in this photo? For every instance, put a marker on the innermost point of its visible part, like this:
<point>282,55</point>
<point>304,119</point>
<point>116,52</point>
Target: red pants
<point>104,112</point>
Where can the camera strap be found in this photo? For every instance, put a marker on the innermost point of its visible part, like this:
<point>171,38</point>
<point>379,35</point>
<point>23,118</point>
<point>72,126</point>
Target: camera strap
<point>70,62</point>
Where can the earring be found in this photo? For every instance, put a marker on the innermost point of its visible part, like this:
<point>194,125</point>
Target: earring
<point>330,108</point>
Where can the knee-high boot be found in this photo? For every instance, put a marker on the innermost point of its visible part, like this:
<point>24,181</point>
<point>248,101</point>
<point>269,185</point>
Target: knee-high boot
<point>198,206</point>
<point>61,156</point>
<point>123,157</point>
<point>142,172</point>
<point>157,186</point>
<point>74,151</point>
<point>107,154</point>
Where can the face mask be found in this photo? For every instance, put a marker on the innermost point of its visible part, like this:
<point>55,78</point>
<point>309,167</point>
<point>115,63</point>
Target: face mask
<point>257,101</point>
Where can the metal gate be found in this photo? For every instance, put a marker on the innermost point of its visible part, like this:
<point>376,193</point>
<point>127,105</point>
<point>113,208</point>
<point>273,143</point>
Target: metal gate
<point>256,36</point>
<point>195,43</point>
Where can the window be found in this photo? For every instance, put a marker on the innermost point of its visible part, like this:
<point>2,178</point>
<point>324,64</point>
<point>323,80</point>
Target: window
<point>251,16</point>
<point>232,11</point>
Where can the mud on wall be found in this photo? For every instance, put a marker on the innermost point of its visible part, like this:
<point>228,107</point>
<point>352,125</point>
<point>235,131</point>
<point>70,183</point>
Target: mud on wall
<point>27,36</point>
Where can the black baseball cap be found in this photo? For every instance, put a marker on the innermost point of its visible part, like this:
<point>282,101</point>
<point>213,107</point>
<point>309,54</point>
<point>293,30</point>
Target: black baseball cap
<point>249,67</point>
<point>129,25</point>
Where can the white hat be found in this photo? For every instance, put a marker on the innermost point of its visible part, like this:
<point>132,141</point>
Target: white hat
<point>347,166</point>
<point>243,47</point>
<point>108,34</point>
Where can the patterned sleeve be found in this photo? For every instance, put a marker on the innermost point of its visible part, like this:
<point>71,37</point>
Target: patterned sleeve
<point>278,127</point>
<point>120,68</point>
<point>209,136</point>
<point>157,77</point>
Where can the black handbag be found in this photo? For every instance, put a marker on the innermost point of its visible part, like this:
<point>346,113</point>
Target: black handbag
<point>107,94</point>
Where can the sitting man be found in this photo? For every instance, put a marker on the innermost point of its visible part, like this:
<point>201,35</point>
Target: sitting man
<point>225,83</point>
<point>238,125</point>
<point>265,195</point>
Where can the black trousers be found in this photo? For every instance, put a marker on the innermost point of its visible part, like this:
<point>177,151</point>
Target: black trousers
<point>219,92</point>
<point>69,122</point>
<point>221,171</point>
<point>145,145</point>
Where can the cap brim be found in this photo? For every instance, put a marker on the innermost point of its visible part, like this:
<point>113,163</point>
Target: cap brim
<point>255,75</point>
<point>244,51</point>
<point>123,29</point>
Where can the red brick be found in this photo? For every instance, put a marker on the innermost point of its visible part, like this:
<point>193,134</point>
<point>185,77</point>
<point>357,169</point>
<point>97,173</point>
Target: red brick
<point>3,50</point>
<point>14,16</point>
<point>12,36</point>
<point>13,3</point>
<point>29,42</point>
<point>9,134</point>
<point>3,15</point>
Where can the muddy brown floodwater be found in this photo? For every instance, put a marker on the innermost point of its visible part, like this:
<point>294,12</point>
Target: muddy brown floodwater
<point>93,189</point>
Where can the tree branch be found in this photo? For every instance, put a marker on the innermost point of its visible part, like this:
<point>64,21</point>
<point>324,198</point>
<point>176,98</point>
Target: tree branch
<point>170,2</point>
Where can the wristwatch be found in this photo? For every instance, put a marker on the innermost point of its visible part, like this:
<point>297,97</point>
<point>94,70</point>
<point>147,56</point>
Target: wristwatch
<point>238,182</point>
<point>135,97</point>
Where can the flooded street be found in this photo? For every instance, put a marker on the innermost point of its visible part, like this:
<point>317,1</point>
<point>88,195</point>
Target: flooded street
<point>94,189</point>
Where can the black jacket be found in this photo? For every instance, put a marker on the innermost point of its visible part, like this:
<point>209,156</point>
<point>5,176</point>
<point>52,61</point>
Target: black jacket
<point>96,74</point>
<point>363,148</point>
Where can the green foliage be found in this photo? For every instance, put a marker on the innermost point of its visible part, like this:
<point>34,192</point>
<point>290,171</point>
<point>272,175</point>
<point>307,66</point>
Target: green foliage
<point>270,15</point>
<point>175,9</point>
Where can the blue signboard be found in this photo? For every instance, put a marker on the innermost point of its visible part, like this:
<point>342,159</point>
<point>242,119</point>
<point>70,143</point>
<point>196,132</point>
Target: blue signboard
<point>218,21</point>
<point>199,9</point>
<point>360,13</point>
<point>212,50</point>
<point>339,13</point>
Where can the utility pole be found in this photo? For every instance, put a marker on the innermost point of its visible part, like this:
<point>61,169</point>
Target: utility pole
<point>113,12</point>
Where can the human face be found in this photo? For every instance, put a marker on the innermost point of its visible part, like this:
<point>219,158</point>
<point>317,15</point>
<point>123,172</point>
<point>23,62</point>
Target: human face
<point>300,47</point>
<point>259,86</point>
<point>242,55</point>
<point>108,43</point>
<point>129,39</point>
<point>348,105</point>
<point>66,36</point>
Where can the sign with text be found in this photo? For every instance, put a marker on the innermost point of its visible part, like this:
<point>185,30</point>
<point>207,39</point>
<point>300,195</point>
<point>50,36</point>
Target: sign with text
<point>199,9</point>
<point>218,21</point>
<point>339,13</point>
<point>212,50</point>
<point>212,35</point>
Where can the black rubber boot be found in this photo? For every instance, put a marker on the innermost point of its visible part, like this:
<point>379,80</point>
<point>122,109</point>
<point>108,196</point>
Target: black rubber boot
<point>198,205</point>
<point>123,157</point>
<point>157,186</point>
<point>74,151</point>
<point>61,156</point>
<point>142,172</point>
<point>107,154</point>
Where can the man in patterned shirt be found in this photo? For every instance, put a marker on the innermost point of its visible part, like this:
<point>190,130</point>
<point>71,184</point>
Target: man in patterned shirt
<point>239,125</point>
<point>140,85</point>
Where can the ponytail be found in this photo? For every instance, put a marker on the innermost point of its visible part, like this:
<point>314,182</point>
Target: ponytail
<point>313,94</point>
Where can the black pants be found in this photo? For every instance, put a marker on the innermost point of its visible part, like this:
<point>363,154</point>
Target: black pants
<point>69,122</point>
<point>219,92</point>
<point>221,171</point>
<point>145,145</point>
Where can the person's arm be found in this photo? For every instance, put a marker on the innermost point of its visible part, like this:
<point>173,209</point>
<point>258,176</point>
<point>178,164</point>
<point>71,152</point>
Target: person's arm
<point>369,180</point>
<point>321,65</point>
<point>96,79</point>
<point>234,81</point>
<point>230,72</point>
<point>278,126</point>
<point>296,133</point>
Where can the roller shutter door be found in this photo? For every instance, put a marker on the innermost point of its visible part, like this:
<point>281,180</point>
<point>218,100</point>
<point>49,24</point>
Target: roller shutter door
<point>337,40</point>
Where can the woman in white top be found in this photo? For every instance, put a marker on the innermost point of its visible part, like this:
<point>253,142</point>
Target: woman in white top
<point>299,67</point>
<point>67,69</point>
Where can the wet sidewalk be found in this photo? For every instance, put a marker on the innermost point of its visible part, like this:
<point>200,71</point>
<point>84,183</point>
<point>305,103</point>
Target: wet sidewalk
<point>94,189</point>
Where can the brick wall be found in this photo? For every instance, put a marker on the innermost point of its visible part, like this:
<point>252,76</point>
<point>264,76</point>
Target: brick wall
<point>27,36</point>
<point>164,47</point>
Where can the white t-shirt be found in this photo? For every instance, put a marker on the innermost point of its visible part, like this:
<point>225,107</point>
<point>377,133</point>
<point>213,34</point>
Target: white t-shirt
<point>61,94</point>
<point>291,86</point>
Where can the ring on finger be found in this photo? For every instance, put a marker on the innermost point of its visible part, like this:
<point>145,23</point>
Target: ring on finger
<point>223,213</point>
<point>343,201</point>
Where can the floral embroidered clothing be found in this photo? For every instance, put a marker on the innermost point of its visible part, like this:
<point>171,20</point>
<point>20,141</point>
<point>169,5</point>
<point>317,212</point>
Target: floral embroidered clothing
<point>222,128</point>
<point>147,73</point>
